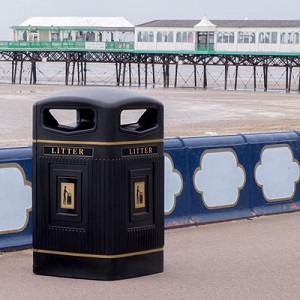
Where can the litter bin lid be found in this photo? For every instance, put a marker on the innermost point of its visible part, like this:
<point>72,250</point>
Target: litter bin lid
<point>98,116</point>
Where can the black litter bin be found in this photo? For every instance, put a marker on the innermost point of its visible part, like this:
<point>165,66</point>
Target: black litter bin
<point>98,185</point>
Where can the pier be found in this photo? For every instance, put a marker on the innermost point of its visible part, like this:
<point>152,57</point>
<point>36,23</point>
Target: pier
<point>139,68</point>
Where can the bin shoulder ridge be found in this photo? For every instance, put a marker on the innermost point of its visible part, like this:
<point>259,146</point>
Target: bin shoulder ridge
<point>106,96</point>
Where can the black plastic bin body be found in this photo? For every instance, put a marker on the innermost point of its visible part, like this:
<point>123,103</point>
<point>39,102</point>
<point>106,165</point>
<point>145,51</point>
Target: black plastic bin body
<point>98,186</point>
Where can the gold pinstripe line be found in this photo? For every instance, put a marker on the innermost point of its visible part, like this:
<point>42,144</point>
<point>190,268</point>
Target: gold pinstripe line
<point>97,255</point>
<point>99,143</point>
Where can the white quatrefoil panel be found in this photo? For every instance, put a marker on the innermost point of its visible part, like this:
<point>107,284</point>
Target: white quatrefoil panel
<point>173,185</point>
<point>277,172</point>
<point>219,178</point>
<point>15,198</point>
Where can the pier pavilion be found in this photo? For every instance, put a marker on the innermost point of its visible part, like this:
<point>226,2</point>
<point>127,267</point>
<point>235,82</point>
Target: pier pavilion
<point>92,29</point>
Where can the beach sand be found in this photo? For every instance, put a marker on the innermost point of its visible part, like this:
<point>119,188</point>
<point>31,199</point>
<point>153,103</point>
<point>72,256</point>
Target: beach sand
<point>188,112</point>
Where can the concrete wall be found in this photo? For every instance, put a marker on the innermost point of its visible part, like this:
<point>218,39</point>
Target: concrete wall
<point>207,179</point>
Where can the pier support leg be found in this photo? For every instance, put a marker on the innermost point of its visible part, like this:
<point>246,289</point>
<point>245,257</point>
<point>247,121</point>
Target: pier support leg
<point>67,69</point>
<point>139,74</point>
<point>21,72</point>
<point>33,72</point>
<point>146,74</point>
<point>14,64</point>
<point>153,74</point>
<point>124,74</point>
<point>265,71</point>
<point>254,77</point>
<point>299,82</point>
<point>81,73</point>
<point>129,70</point>
<point>195,75</point>
<point>176,74</point>
<point>84,73</point>
<point>236,77</point>
<point>117,74</point>
<point>204,76</point>
<point>73,71</point>
<point>78,72</point>
<point>164,74</point>
<point>67,73</point>
<point>167,75</point>
<point>288,79</point>
<point>226,77</point>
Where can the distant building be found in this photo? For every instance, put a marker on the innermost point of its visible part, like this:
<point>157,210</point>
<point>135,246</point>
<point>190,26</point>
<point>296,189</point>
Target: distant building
<point>114,29</point>
<point>219,35</point>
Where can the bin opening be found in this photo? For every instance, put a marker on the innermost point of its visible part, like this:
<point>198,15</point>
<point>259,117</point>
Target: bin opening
<point>69,120</point>
<point>139,120</point>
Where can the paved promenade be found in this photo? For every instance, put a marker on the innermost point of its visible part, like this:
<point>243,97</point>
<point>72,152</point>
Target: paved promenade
<point>247,259</point>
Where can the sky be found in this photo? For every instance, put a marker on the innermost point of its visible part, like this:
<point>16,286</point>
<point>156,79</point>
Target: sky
<point>15,12</point>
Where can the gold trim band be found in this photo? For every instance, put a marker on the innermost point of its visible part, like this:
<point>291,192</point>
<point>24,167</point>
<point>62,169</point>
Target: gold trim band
<point>97,255</point>
<point>98,143</point>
